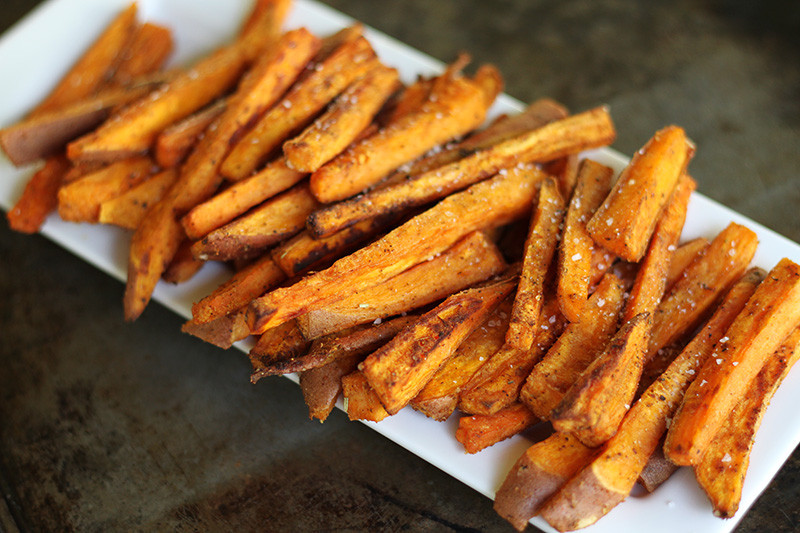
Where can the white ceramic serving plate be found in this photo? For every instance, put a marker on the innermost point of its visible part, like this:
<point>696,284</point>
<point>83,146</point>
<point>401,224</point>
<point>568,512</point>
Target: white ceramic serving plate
<point>37,51</point>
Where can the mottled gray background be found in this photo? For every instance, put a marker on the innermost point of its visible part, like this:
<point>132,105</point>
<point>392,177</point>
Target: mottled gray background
<point>112,426</point>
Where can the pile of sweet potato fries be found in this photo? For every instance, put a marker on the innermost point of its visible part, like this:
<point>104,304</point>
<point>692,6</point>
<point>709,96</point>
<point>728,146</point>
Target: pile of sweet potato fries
<point>391,248</point>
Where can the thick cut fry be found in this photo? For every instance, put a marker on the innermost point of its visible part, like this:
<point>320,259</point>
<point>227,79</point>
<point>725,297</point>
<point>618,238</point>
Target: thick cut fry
<point>308,96</point>
<point>360,340</point>
<point>246,284</point>
<point>273,221</point>
<point>277,344</point>
<point>594,406</point>
<point>147,52</point>
<point>575,252</point>
<point>176,141</point>
<point>573,134</point>
<point>689,300</point>
<point>683,256</point>
<point>721,472</point>
<point>498,382</point>
<point>477,432</point>
<point>538,474</point>
<point>40,196</point>
<point>456,106</point>
<point>322,385</point>
<point>540,247</point>
<point>95,66</point>
<point>80,200</point>
<point>401,368</point>
<point>769,316</point>
<point>610,477</point>
<point>47,133</point>
<point>651,278</point>
<point>360,400</point>
<point>471,260</point>
<point>221,332</point>
<point>439,398</point>
<point>133,130</point>
<point>183,265</point>
<point>263,26</point>
<point>488,204</point>
<point>129,208</point>
<point>343,122</point>
<point>625,221</point>
<point>239,197</point>
<point>410,99</point>
<point>575,349</point>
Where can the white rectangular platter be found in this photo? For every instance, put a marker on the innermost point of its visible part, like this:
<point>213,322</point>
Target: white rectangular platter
<point>37,51</point>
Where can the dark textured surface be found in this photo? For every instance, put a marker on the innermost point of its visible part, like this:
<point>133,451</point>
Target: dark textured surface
<point>112,426</point>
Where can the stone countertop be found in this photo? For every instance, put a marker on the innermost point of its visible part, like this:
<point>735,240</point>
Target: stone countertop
<point>96,432</point>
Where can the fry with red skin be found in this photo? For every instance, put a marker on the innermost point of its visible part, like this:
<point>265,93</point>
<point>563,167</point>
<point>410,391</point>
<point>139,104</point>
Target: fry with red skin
<point>322,385</point>
<point>477,432</point>
<point>575,250</point>
<point>129,208</point>
<point>40,196</point>
<point>221,332</point>
<point>767,319</point>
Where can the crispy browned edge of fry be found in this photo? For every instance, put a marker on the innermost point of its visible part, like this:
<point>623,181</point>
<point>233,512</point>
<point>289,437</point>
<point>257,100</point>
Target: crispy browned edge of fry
<point>769,316</point>
<point>322,385</point>
<point>279,343</point>
<point>39,197</point>
<point>476,432</point>
<point>575,250</point>
<point>360,400</point>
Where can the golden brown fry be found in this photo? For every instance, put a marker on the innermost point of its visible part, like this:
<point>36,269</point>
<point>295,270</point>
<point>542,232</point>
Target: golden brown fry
<point>183,265</point>
<point>625,221</point>
<point>94,67</point>
<point>721,471</point>
<point>176,141</point>
<point>343,122</point>
<point>246,284</point>
<point>80,200</point>
<point>401,368</point>
<point>147,52</point>
<point>488,204</point>
<point>610,477</point>
<point>360,400</point>
<point>769,316</point>
<point>569,135</point>
<point>129,208</point>
<point>682,257</point>
<point>263,26</point>
<point>410,99</point>
<point>651,278</point>
<point>477,432</point>
<point>40,196</point>
<point>305,99</point>
<point>575,349</point>
<point>576,249</point>
<point>273,221</point>
<point>471,260</point>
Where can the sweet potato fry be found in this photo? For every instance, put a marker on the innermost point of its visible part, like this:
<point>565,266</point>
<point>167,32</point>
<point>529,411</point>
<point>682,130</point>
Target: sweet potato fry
<point>176,141</point>
<point>471,260</point>
<point>273,221</point>
<point>399,370</point>
<point>239,197</point>
<point>682,257</point>
<point>409,100</point>
<point>498,382</point>
<point>538,474</point>
<point>95,66</point>
<point>610,477</point>
<point>657,470</point>
<point>263,26</point>
<point>133,130</point>
<point>575,349</point>
<point>488,204</point>
<point>343,122</point>
<point>80,200</point>
<point>305,99</point>
<point>128,209</point>
<point>147,52</point>
<point>688,302</point>
<point>540,247</point>
<point>594,406</point>
<point>47,133</point>
<point>651,278</point>
<point>40,196</point>
<point>439,397</point>
<point>183,265</point>
<point>360,400</point>
<point>575,252</point>
<point>625,220</point>
<point>769,316</point>
<point>246,284</point>
<point>569,135</point>
<point>322,385</point>
<point>477,432</point>
<point>277,344</point>
<point>222,331</point>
